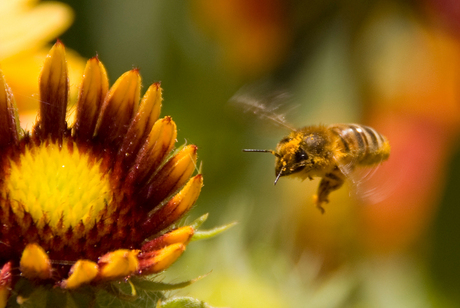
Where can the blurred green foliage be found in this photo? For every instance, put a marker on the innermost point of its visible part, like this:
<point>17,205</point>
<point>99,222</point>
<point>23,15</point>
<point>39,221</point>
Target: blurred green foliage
<point>444,253</point>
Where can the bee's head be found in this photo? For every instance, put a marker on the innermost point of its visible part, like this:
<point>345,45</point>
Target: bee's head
<point>304,152</point>
<point>301,153</point>
<point>291,156</point>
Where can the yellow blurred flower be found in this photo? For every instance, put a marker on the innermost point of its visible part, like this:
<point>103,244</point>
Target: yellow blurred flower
<point>26,27</point>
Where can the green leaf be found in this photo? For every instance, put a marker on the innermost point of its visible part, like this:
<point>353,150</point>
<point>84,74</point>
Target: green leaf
<point>199,221</point>
<point>55,298</point>
<point>122,289</point>
<point>203,235</point>
<point>150,285</point>
<point>123,295</point>
<point>200,168</point>
<point>82,297</point>
<point>177,150</point>
<point>26,295</point>
<point>183,302</point>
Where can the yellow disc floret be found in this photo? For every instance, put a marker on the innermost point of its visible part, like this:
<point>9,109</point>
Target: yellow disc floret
<point>60,183</point>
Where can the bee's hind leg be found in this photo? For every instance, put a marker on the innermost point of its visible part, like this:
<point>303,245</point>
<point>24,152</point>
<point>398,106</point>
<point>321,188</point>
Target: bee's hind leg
<point>330,182</point>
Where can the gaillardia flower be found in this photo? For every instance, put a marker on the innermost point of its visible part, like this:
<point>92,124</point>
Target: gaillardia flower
<point>96,200</point>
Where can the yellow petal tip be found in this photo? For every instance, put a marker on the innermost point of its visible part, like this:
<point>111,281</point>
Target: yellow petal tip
<point>161,259</point>
<point>35,263</point>
<point>182,235</point>
<point>82,272</point>
<point>119,263</point>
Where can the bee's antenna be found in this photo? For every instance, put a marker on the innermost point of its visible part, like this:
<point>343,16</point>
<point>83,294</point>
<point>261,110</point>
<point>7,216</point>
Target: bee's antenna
<point>267,151</point>
<point>263,151</point>
<point>278,176</point>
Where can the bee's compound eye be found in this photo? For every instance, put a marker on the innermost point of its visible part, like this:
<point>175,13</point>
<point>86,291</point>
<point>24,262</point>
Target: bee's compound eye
<point>300,155</point>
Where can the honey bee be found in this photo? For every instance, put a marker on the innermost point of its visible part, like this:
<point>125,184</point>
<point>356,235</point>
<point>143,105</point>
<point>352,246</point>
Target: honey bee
<point>329,152</point>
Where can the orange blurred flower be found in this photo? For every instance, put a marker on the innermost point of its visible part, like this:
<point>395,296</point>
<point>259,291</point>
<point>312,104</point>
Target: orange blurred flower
<point>419,111</point>
<point>253,35</point>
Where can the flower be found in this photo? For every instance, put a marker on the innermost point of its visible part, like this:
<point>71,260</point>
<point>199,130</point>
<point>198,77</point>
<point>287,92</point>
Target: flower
<point>26,27</point>
<point>253,36</point>
<point>95,200</point>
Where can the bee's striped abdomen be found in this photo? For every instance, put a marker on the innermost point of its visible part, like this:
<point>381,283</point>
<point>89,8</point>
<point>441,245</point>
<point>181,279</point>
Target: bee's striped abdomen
<point>363,144</point>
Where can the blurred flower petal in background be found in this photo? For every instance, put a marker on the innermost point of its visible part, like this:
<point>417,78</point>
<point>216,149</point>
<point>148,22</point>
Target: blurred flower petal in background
<point>253,36</point>
<point>26,27</point>
<point>413,81</point>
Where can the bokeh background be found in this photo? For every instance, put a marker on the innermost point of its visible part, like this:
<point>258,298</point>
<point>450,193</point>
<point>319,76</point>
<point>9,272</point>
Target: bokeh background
<point>390,240</point>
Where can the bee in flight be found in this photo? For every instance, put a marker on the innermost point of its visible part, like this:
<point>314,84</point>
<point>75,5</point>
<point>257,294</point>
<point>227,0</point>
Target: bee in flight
<point>329,152</point>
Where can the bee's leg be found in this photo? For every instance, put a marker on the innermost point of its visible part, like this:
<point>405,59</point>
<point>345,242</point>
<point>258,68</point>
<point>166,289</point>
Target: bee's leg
<point>330,182</point>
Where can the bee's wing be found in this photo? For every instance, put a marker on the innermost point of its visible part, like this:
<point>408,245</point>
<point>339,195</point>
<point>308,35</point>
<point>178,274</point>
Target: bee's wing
<point>263,103</point>
<point>361,186</point>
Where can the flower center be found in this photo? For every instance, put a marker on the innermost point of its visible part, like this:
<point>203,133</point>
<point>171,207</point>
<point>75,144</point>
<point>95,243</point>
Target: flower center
<point>58,185</point>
